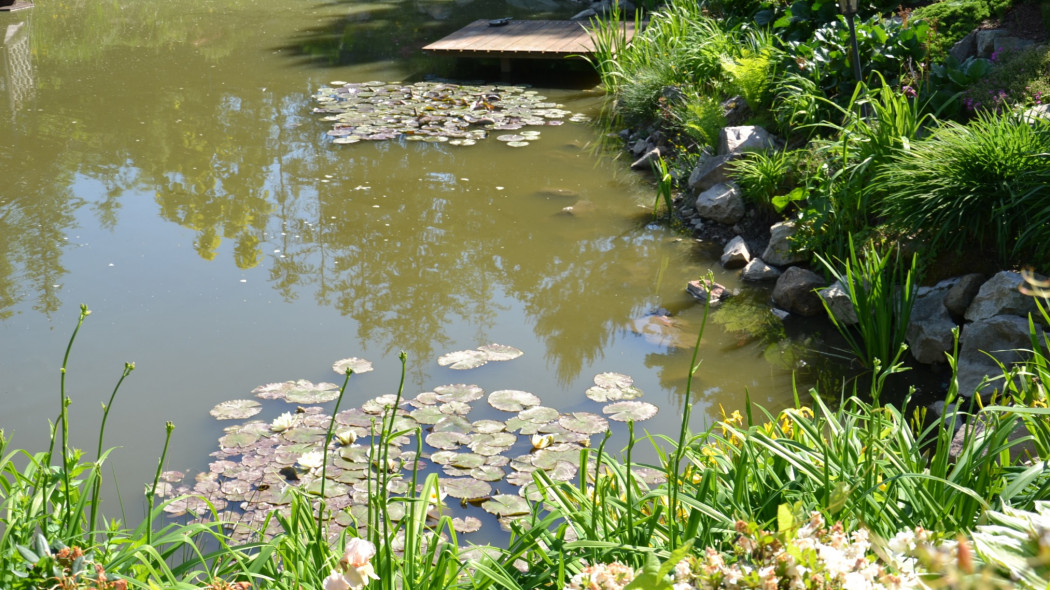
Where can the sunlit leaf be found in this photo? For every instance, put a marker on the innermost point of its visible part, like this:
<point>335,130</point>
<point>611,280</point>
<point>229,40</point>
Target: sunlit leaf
<point>464,487</point>
<point>539,414</point>
<point>500,352</point>
<point>463,359</point>
<point>467,524</point>
<point>357,365</point>
<point>459,393</point>
<point>236,409</point>
<point>506,505</point>
<point>511,400</point>
<point>584,422</point>
<point>624,411</point>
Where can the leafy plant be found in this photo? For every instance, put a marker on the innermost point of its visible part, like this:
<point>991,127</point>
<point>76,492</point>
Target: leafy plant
<point>982,185</point>
<point>762,176</point>
<point>882,291</point>
<point>751,74</point>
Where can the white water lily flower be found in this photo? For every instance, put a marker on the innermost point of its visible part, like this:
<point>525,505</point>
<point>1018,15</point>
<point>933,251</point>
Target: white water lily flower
<point>542,441</point>
<point>336,581</point>
<point>437,496</point>
<point>312,460</point>
<point>346,437</point>
<point>283,422</point>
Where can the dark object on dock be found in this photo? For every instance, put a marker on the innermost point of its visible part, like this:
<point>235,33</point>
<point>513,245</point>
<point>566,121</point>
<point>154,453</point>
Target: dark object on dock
<point>13,5</point>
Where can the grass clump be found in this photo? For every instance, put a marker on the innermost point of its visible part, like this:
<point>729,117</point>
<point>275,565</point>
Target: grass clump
<point>983,185</point>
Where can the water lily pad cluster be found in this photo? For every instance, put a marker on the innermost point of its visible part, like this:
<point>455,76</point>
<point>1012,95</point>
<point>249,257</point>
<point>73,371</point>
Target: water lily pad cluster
<point>436,112</point>
<point>485,462</point>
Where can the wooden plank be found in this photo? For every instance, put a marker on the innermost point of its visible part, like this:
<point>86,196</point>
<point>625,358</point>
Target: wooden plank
<point>534,39</point>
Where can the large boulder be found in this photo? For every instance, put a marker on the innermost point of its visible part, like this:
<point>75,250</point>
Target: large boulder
<point>758,270</point>
<point>965,47</point>
<point>1001,295</point>
<point>961,294</point>
<point>985,343</point>
<point>986,41</point>
<point>930,328</point>
<point>795,291</point>
<point>745,138</point>
<point>736,253</point>
<point>778,252</point>
<point>722,203</point>
<point>839,303</point>
<point>709,171</point>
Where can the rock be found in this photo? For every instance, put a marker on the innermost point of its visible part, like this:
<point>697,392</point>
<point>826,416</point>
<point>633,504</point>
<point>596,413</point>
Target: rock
<point>779,313</point>
<point>961,294</point>
<point>986,41</point>
<point>673,94</point>
<point>639,147</point>
<point>736,140</point>
<point>1005,338</point>
<point>735,253</point>
<point>709,171</point>
<point>1019,451</point>
<point>1037,112</point>
<point>1001,295</point>
<point>585,14</point>
<point>735,110</point>
<point>704,290</point>
<point>839,304</point>
<point>757,270</point>
<point>964,48</point>
<point>778,252</point>
<point>930,328</point>
<point>645,162</point>
<point>1008,43</point>
<point>795,291</point>
<point>722,203</point>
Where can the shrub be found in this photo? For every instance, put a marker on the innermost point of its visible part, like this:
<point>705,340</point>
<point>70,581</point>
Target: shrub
<point>953,19</point>
<point>1016,78</point>
<point>698,117</point>
<point>984,185</point>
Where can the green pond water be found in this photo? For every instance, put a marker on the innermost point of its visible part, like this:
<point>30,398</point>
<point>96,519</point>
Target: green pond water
<point>159,161</point>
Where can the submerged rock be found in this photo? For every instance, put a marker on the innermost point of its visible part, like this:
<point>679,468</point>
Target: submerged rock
<point>795,291</point>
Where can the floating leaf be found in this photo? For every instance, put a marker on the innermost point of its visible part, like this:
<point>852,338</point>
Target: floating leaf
<point>500,352</point>
<point>447,440</point>
<point>624,411</point>
<point>539,415</point>
<point>319,394</point>
<point>464,488</point>
<point>489,426</point>
<point>454,408</point>
<point>357,365</point>
<point>305,435</point>
<point>487,473</point>
<point>517,144</point>
<point>380,404</point>
<point>613,380</point>
<point>463,359</point>
<point>453,424</point>
<point>467,524</point>
<point>238,439</point>
<point>459,392</point>
<point>509,138</point>
<point>609,394</point>
<point>512,400</point>
<point>467,460</point>
<point>427,415</point>
<point>443,457</point>
<point>237,409</point>
<point>584,422</point>
<point>506,505</point>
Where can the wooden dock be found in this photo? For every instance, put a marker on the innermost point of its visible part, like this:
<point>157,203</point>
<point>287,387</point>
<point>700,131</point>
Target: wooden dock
<point>521,39</point>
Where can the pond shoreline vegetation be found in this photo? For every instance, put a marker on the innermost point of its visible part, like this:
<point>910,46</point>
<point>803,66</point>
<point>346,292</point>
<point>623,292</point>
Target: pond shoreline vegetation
<point>841,490</point>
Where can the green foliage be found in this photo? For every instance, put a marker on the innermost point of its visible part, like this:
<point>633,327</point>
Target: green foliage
<point>751,74</point>
<point>1015,79</point>
<point>953,19</point>
<point>762,176</point>
<point>664,184</point>
<point>881,290</point>
<point>698,117</point>
<point>982,185</point>
<point>798,105</point>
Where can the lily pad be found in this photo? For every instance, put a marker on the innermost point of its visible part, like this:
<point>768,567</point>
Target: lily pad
<point>454,408</point>
<point>510,137</point>
<point>463,359</point>
<point>584,422</point>
<point>459,392</point>
<point>238,439</point>
<point>517,144</point>
<point>539,414</point>
<point>467,460</point>
<point>301,389</point>
<point>613,380</point>
<point>467,524</point>
<point>427,414</point>
<point>512,400</point>
<point>378,405</point>
<point>453,424</point>
<point>500,352</point>
<point>609,394</point>
<point>237,409</point>
<point>357,365</point>
<point>506,505</point>
<point>487,473</point>
<point>464,488</point>
<point>489,426</point>
<point>447,440</point>
<point>624,411</point>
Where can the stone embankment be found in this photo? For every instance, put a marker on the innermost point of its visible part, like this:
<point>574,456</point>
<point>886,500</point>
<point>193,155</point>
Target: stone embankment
<point>990,312</point>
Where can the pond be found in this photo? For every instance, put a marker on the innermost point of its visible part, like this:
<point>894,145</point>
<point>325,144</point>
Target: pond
<point>161,163</point>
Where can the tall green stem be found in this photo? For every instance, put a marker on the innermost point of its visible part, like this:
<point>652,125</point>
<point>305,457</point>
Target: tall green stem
<point>63,419</point>
<point>128,368</point>
<point>169,427</point>
<point>324,461</point>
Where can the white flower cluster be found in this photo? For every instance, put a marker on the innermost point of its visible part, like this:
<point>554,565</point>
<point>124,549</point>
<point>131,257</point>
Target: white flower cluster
<point>602,576</point>
<point>815,557</point>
